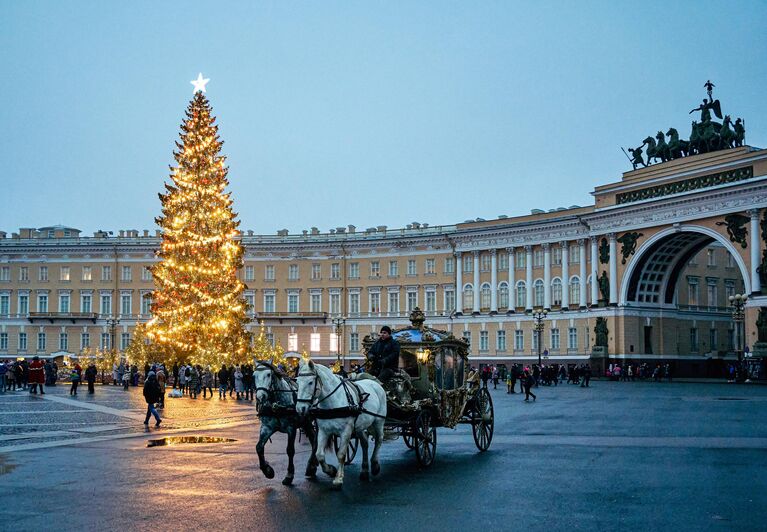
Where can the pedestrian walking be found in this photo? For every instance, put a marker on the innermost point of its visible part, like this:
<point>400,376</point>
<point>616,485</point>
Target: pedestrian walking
<point>90,378</point>
<point>239,388</point>
<point>586,373</point>
<point>3,373</point>
<point>151,395</point>
<point>160,373</point>
<point>193,382</point>
<point>223,379</point>
<point>36,375</point>
<point>528,382</point>
<point>495,378</point>
<point>126,380</point>
<point>74,378</point>
<point>207,382</point>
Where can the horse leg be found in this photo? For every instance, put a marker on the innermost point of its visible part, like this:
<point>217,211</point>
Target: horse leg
<point>343,444</point>
<point>322,442</point>
<point>311,466</point>
<point>264,434</point>
<point>288,480</point>
<point>364,442</point>
<point>378,427</point>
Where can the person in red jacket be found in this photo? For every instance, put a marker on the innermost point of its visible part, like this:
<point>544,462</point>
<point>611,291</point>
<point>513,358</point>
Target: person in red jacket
<point>36,375</point>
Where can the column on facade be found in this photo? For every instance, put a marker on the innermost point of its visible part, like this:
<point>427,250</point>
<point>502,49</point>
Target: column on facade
<point>475,310</point>
<point>582,272</point>
<point>493,281</point>
<point>756,284</point>
<point>565,276</point>
<point>546,276</point>
<point>512,282</point>
<point>613,269</point>
<point>458,283</point>
<point>594,273</point>
<point>529,277</point>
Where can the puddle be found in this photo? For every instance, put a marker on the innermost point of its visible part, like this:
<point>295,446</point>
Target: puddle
<point>5,467</point>
<point>180,440</point>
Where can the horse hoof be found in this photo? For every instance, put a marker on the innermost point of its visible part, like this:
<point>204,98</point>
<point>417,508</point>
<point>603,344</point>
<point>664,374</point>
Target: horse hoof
<point>364,476</point>
<point>332,471</point>
<point>287,481</point>
<point>311,472</point>
<point>375,468</point>
<point>268,471</point>
<point>337,484</point>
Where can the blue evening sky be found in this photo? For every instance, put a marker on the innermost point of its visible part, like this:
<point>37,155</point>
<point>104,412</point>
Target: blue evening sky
<point>364,113</point>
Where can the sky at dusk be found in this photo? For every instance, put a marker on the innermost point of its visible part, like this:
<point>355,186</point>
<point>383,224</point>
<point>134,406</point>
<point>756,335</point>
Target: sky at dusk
<point>365,113</point>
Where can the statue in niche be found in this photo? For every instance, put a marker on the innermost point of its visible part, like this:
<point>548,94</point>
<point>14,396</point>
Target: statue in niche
<point>604,286</point>
<point>601,332</point>
<point>604,251</point>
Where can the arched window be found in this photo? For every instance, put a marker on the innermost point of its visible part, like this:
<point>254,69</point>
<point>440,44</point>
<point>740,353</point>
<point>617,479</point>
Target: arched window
<point>538,288</point>
<point>468,297</point>
<point>521,294</point>
<point>575,291</point>
<point>503,295</point>
<point>556,292</point>
<point>484,296</point>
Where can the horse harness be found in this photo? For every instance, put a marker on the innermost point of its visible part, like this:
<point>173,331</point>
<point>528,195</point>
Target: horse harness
<point>273,408</point>
<point>353,409</point>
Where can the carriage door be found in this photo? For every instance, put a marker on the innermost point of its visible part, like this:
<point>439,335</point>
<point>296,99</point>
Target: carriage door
<point>438,369</point>
<point>448,370</point>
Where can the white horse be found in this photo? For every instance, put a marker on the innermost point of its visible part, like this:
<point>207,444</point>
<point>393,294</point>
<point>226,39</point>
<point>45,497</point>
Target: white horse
<point>342,408</point>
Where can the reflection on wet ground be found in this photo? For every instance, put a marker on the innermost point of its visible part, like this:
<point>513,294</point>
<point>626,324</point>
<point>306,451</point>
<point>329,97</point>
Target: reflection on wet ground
<point>178,440</point>
<point>5,466</point>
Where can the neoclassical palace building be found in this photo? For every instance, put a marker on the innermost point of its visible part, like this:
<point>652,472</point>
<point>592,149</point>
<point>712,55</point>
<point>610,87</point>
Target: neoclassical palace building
<point>657,256</point>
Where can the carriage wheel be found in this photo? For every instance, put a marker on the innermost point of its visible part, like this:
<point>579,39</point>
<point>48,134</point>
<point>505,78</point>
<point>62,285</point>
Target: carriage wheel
<point>425,439</point>
<point>483,419</point>
<point>351,448</point>
<point>408,439</point>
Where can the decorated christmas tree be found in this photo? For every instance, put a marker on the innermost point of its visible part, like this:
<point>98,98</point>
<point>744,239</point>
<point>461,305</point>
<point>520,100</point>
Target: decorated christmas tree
<point>198,309</point>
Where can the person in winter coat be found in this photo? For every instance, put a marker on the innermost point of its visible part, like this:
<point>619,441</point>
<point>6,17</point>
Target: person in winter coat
<point>207,382</point>
<point>161,381</point>
<point>74,378</point>
<point>36,375</point>
<point>193,382</point>
<point>223,379</point>
<point>239,386</point>
<point>90,378</point>
<point>528,381</point>
<point>152,394</point>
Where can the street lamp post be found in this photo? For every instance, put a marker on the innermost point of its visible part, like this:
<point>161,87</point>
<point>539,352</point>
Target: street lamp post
<point>339,326</point>
<point>538,316</point>
<point>738,304</point>
<point>112,322</point>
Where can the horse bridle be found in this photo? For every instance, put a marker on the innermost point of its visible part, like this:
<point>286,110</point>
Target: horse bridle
<point>271,390</point>
<point>314,393</point>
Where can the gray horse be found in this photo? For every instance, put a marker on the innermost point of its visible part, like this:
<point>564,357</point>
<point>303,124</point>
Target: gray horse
<point>276,405</point>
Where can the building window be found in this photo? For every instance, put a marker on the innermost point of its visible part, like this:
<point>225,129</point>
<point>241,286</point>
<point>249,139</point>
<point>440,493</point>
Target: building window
<point>22,342</point>
<point>5,305</point>
<point>250,303</point>
<point>269,273</point>
<point>555,339</point>
<point>106,273</point>
<point>335,303</point>
<point>710,257</point>
<point>519,340</point>
<point>429,267</point>
<point>556,256</point>
<point>485,296</point>
<point>354,342</point>
<point>711,293</point>
<point>411,267</point>
<point>23,304</point>
<point>484,262</point>
<point>467,336</point>
<point>393,302</point>
<point>572,338</point>
<point>334,343</point>
<point>24,274</point>
<point>293,272</point>
<point>730,260</point>
<point>556,292</point>
<point>503,261</point>
<point>538,258</point>
<point>64,303</point>
<point>692,292</point>
<point>468,297</point>
<point>124,341</point>
<point>106,304</point>
<point>314,342</point>
<point>315,302</point>
<point>535,340</point>
<point>85,340</point>
<point>293,303</point>
<point>293,342</point>
<point>712,339</point>
<point>483,341</point>
<point>249,273</point>
<point>449,265</point>
<point>574,254</point>
<point>412,300</point>
<point>375,302</point>
<point>63,342</point>
<point>354,270</point>
<point>3,343</point>
<point>354,303</point>
<point>729,289</point>
<point>521,260</point>
<point>335,271</point>
<point>64,274</point>
<point>269,303</point>
<point>42,303</point>
<point>538,288</point>
<point>393,268</point>
<point>521,294</point>
<point>146,304</point>
<point>375,269</point>
<point>316,272</point>
<point>127,274</point>
<point>500,340</point>
<point>449,300</point>
<point>41,341</point>
<point>694,340</point>
<point>468,263</point>
<point>106,341</point>
<point>43,274</point>
<point>5,273</point>
<point>431,301</point>
<point>87,274</point>
<point>575,291</point>
<point>146,273</point>
<point>125,304</point>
